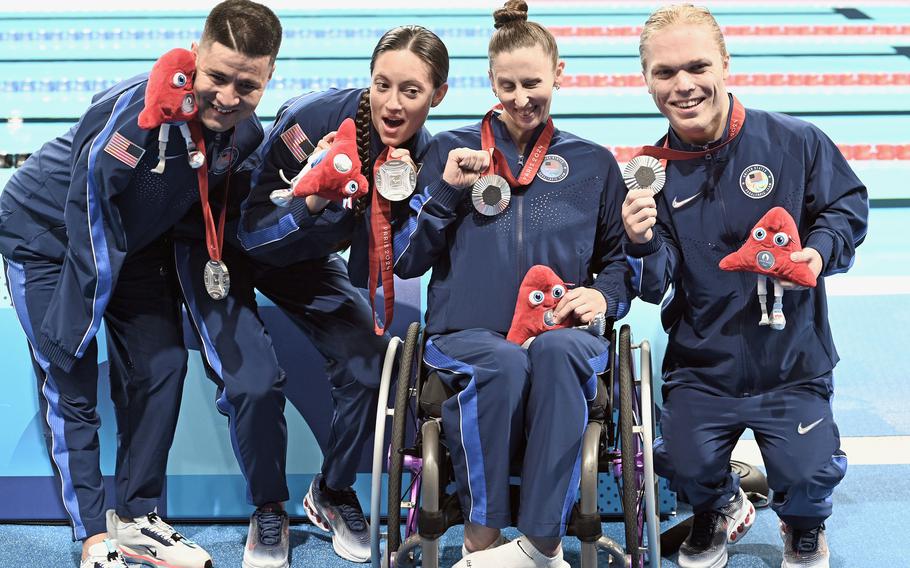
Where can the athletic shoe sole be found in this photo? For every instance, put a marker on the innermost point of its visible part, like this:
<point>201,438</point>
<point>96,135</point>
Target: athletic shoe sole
<point>742,524</point>
<point>133,558</point>
<point>246,564</point>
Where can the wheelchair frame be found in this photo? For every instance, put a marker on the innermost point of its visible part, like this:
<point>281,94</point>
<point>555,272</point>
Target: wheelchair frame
<point>428,515</point>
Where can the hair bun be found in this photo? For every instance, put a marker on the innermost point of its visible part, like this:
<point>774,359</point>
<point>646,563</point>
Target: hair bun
<point>514,11</point>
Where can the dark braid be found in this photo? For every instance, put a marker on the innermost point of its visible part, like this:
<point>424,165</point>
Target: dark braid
<point>363,123</point>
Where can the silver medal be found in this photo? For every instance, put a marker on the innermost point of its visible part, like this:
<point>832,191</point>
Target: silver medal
<point>491,195</point>
<point>217,279</point>
<point>396,180</point>
<point>644,172</point>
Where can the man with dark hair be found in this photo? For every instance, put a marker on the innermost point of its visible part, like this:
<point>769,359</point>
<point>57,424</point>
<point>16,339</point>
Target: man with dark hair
<point>85,236</point>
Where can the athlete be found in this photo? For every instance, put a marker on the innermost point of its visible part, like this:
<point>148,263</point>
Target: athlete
<point>84,232</point>
<point>529,405</point>
<point>726,167</point>
<point>289,254</point>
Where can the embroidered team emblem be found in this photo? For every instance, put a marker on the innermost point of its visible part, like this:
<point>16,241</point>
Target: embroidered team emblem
<point>124,150</point>
<point>224,160</point>
<point>297,142</point>
<point>756,181</point>
<point>554,169</point>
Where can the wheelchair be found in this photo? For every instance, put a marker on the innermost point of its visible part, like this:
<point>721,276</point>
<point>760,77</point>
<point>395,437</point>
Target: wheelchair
<point>617,443</point>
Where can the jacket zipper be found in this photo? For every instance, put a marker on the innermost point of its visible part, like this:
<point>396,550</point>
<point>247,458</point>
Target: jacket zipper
<point>747,385</point>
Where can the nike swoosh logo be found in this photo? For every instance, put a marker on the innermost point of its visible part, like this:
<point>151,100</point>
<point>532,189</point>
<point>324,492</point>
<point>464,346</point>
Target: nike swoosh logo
<point>677,204</point>
<point>804,429</point>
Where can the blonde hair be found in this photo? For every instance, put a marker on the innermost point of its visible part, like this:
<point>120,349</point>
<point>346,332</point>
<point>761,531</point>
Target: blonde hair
<point>513,31</point>
<point>680,14</point>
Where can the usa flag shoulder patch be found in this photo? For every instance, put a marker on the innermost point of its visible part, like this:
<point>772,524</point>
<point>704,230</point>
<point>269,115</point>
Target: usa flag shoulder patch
<point>297,142</point>
<point>125,150</point>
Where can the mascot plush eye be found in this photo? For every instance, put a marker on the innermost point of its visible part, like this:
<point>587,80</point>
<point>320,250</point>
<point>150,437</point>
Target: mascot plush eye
<point>759,234</point>
<point>351,187</point>
<point>179,79</point>
<point>781,239</point>
<point>536,297</point>
<point>558,291</point>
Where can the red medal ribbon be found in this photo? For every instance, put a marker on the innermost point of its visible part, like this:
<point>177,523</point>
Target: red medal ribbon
<point>664,152</point>
<point>381,253</point>
<point>498,163</point>
<point>213,238</point>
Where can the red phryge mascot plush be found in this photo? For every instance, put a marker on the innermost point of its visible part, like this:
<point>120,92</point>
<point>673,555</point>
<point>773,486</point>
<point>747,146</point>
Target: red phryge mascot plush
<point>538,295</point>
<point>169,100</point>
<point>767,253</point>
<point>333,174</point>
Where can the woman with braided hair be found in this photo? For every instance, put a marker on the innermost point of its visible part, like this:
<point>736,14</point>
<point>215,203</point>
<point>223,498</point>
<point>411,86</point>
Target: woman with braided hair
<point>290,255</point>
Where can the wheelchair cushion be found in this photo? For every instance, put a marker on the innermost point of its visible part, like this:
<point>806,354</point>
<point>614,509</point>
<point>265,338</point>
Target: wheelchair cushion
<point>433,394</point>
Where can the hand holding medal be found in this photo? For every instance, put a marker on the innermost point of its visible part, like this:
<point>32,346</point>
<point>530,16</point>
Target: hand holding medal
<point>396,178</point>
<point>645,175</point>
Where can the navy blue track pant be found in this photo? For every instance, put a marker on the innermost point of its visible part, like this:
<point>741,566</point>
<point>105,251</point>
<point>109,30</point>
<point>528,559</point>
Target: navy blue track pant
<point>516,404</point>
<point>796,434</point>
<point>239,358</point>
<point>319,297</point>
<point>147,367</point>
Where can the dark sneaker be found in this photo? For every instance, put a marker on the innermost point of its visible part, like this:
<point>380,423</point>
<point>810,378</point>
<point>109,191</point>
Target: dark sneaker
<point>706,545</point>
<point>267,540</point>
<point>804,549</point>
<point>149,541</point>
<point>103,555</point>
<point>339,512</point>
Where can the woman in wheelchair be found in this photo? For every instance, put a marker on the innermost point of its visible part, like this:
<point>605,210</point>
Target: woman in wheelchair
<point>480,229</point>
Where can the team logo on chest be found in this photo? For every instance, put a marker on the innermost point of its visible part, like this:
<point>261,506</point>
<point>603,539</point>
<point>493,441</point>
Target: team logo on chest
<point>554,169</point>
<point>224,160</point>
<point>756,181</point>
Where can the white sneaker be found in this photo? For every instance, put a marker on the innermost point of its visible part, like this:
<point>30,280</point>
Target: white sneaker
<point>149,541</point>
<point>103,555</point>
<point>519,553</point>
<point>706,545</point>
<point>498,542</point>
<point>339,513</point>
<point>804,549</point>
<point>267,540</point>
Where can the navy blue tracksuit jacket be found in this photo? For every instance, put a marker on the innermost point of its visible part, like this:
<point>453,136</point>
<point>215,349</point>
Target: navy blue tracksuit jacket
<point>514,403</point>
<point>716,348</point>
<point>84,228</point>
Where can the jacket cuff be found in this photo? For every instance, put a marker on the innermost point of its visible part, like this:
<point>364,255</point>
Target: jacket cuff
<point>301,213</point>
<point>58,356</point>
<point>636,250</point>
<point>616,308</point>
<point>447,196</point>
<point>822,241</point>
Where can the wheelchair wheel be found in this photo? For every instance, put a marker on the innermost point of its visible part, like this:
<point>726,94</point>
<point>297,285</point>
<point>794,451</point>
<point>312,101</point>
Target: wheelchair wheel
<point>380,453</point>
<point>630,448</point>
<point>406,369</point>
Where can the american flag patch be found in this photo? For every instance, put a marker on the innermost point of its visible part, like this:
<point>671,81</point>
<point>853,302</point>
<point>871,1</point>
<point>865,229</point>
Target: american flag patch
<point>124,150</point>
<point>297,142</point>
